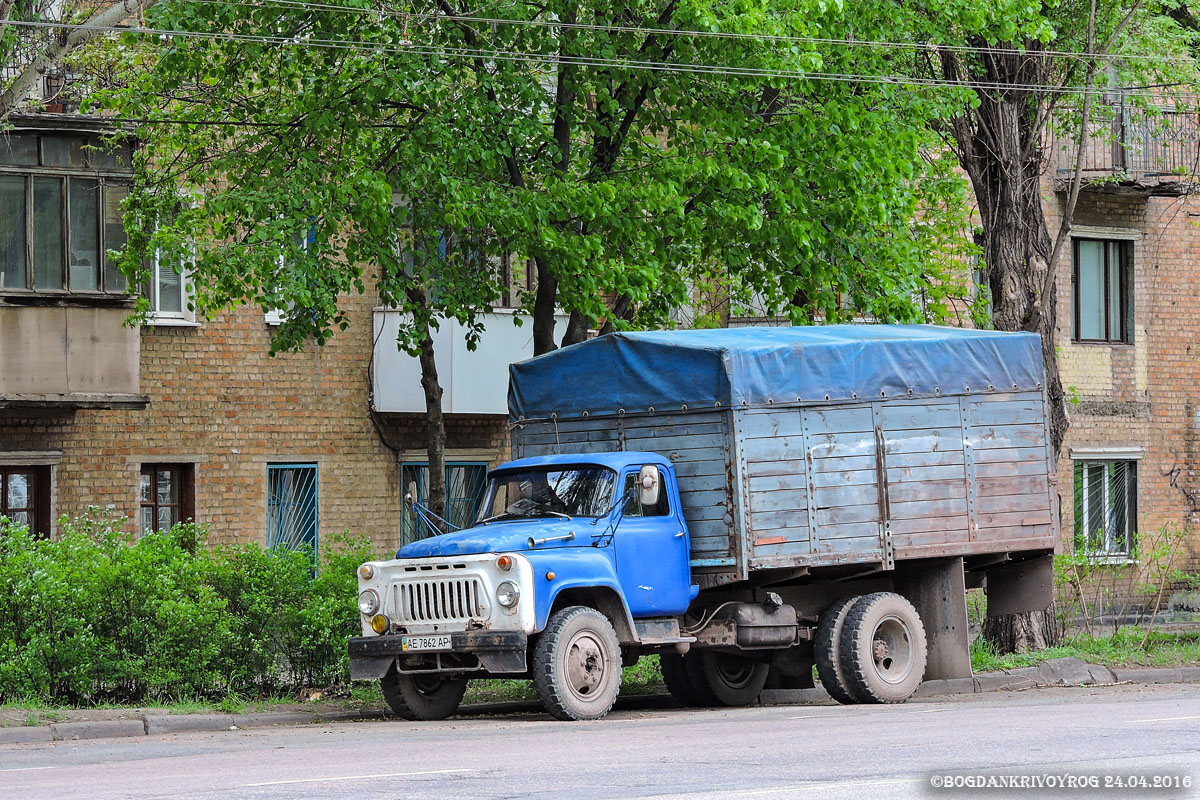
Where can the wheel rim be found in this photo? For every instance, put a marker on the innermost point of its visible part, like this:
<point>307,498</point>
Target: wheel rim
<point>426,684</point>
<point>892,649</point>
<point>587,665</point>
<point>736,673</point>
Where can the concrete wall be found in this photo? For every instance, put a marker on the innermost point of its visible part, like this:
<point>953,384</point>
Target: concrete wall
<point>67,350</point>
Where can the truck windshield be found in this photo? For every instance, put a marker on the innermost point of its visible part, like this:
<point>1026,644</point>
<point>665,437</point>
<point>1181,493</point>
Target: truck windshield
<point>563,492</point>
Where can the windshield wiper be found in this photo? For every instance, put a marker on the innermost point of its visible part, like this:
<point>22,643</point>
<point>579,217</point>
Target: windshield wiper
<point>552,511</point>
<point>495,517</point>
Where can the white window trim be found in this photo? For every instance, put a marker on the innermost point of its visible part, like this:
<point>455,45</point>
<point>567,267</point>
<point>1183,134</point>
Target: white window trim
<point>1097,232</point>
<point>1104,456</point>
<point>173,319</point>
<point>1131,453</point>
<point>277,316</point>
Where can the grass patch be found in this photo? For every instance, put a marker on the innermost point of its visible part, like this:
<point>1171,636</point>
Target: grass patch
<point>1128,647</point>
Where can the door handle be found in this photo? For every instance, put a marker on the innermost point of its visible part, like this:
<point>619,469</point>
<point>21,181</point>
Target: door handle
<point>679,535</point>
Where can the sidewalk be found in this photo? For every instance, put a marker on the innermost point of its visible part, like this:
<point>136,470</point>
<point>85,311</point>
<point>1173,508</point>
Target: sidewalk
<point>76,724</point>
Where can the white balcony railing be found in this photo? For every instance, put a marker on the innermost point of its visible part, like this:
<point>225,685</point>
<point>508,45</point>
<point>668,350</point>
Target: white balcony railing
<point>473,381</point>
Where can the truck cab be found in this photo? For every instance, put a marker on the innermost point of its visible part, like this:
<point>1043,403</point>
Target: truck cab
<point>600,536</point>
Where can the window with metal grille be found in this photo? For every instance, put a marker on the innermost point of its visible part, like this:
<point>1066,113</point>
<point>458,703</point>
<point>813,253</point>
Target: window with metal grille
<point>465,486</point>
<point>25,497</point>
<point>292,506</point>
<point>165,496</point>
<point>1100,290</point>
<point>1106,508</point>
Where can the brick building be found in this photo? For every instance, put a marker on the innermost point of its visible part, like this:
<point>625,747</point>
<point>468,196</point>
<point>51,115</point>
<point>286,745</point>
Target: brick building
<point>193,419</point>
<point>1129,338</point>
<point>182,419</point>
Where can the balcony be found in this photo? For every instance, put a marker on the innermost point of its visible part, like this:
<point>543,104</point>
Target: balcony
<point>1137,151</point>
<point>473,382</point>
<point>66,356</point>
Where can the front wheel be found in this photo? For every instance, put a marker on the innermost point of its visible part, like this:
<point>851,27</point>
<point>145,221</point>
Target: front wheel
<point>422,697</point>
<point>577,664</point>
<point>733,681</point>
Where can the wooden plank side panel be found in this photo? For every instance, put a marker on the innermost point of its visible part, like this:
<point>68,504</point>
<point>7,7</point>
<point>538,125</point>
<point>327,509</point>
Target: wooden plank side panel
<point>822,422</point>
<point>919,416</point>
<point>768,424</point>
<point>1000,437</point>
<point>1007,412</point>
<point>1021,502</point>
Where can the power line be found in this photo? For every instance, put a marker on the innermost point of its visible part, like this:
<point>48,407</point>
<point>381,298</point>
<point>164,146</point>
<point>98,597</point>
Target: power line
<point>691,33</point>
<point>900,81</point>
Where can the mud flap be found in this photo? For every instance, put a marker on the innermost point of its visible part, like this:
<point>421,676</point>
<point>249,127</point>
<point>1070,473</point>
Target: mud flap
<point>1021,588</point>
<point>365,669</point>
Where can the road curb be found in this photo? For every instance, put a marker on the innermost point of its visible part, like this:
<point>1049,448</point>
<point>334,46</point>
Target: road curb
<point>1057,672</point>
<point>97,729</point>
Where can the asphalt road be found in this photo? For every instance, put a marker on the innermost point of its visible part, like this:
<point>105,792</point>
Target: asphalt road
<point>826,752</point>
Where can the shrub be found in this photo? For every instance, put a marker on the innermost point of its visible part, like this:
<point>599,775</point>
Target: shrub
<point>98,615</point>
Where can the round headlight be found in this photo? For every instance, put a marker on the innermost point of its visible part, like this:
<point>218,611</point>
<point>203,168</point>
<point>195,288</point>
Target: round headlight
<point>366,572</point>
<point>368,601</point>
<point>507,594</point>
<point>380,623</point>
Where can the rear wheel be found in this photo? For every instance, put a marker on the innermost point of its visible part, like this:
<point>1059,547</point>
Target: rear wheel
<point>577,664</point>
<point>882,649</point>
<point>675,676</point>
<point>827,647</point>
<point>422,697</point>
<point>733,680</point>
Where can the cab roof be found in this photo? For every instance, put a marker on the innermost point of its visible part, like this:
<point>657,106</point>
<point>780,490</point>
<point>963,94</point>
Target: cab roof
<point>614,461</point>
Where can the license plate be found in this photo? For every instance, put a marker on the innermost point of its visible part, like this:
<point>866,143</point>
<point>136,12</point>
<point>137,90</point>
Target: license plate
<point>425,642</point>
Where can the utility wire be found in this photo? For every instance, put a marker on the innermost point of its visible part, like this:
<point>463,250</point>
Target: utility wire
<point>691,33</point>
<point>632,64</point>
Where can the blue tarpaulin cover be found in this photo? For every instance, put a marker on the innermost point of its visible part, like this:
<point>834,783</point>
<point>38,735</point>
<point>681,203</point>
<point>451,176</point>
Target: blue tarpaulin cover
<point>752,367</point>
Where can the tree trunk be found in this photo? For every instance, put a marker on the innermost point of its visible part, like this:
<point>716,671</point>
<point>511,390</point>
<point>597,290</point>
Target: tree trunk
<point>999,147</point>
<point>435,427</point>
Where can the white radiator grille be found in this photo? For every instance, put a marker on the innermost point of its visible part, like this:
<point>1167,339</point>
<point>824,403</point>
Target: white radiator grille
<point>452,600</point>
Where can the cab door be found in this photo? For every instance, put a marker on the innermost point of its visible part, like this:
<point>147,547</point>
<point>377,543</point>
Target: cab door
<point>652,548</point>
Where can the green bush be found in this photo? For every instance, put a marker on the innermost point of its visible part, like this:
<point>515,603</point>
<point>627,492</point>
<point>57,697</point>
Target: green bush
<point>99,616</point>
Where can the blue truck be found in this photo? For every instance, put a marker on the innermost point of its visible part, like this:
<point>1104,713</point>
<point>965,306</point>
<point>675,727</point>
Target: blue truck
<point>748,504</point>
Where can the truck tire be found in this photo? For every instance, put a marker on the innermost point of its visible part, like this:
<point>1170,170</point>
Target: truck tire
<point>827,644</point>
<point>577,664</point>
<point>675,677</point>
<point>733,680</point>
<point>882,649</point>
<point>422,697</point>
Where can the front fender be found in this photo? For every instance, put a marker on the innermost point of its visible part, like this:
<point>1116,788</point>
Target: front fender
<point>578,568</point>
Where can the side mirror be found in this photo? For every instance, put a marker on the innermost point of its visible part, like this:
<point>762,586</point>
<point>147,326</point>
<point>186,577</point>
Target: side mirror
<point>649,485</point>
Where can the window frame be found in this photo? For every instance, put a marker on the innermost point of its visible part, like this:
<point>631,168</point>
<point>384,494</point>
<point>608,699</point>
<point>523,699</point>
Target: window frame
<point>39,512</point>
<point>1107,553</point>
<point>406,523</point>
<point>105,177</point>
<point>280,466</point>
<point>1124,250</point>
<point>185,492</point>
<point>186,317</point>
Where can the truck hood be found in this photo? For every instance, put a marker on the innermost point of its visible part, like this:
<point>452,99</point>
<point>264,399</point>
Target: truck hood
<point>505,537</point>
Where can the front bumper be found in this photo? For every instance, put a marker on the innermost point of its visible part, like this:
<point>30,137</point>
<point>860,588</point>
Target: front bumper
<point>496,651</point>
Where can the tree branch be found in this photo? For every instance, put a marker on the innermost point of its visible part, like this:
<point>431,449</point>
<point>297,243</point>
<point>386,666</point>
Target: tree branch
<point>106,18</point>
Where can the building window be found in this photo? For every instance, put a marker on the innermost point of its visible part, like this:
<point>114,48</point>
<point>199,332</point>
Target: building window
<point>1100,290</point>
<point>292,506</point>
<point>25,497</point>
<point>61,197</point>
<point>305,244</point>
<point>166,496</point>
<point>465,485</point>
<point>1106,509</point>
<point>169,291</point>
